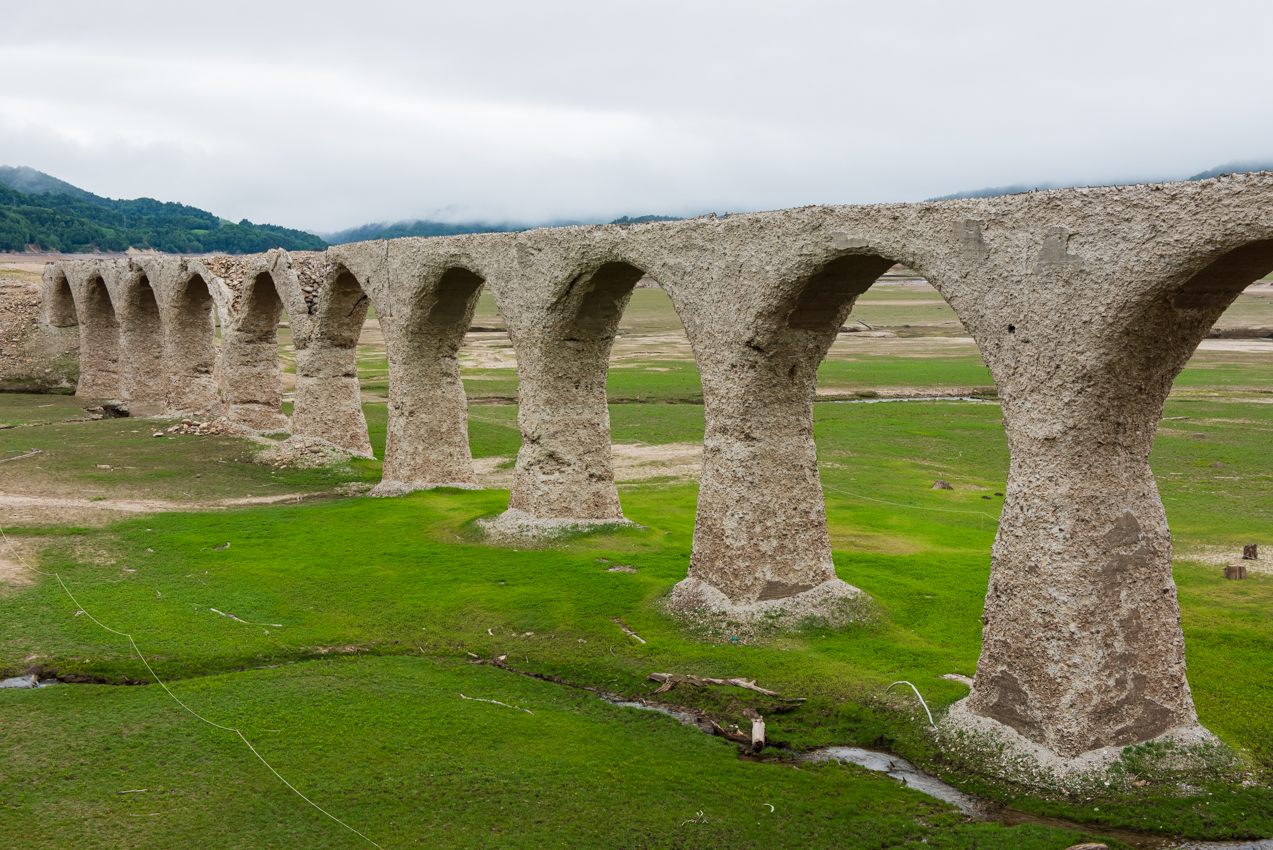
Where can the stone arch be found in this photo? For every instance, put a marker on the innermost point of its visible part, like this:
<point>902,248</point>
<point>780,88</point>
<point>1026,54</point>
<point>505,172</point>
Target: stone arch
<point>252,386</point>
<point>190,346</point>
<point>142,337</point>
<point>328,401</point>
<point>427,443</point>
<point>59,302</point>
<point>564,467</point>
<point>100,349</point>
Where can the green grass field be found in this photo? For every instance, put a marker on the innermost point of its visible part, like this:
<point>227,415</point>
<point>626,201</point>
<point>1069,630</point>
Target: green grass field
<point>362,614</point>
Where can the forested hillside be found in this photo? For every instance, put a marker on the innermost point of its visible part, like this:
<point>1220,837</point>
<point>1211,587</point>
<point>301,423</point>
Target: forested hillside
<point>79,221</point>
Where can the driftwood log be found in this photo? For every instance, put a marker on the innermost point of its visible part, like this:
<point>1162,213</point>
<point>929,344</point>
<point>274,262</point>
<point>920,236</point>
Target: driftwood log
<point>671,680</point>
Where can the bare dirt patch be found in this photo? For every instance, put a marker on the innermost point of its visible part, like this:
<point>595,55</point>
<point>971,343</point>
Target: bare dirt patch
<point>632,463</point>
<point>1220,555</point>
<point>13,573</point>
<point>17,510</point>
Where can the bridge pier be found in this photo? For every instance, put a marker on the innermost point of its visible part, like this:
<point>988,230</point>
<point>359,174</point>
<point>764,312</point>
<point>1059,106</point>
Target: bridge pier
<point>328,399</point>
<point>101,366</point>
<point>189,342</point>
<point>564,467</point>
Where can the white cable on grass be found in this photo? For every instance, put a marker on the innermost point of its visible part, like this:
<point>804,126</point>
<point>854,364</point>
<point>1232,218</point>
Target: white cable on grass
<point>133,643</point>
<point>921,700</point>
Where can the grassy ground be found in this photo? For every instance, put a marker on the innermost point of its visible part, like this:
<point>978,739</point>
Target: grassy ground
<point>366,610</point>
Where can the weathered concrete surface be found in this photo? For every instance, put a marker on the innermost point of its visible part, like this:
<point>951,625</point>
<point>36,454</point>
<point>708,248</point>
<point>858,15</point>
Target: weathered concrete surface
<point>187,304</point>
<point>35,356</point>
<point>100,348</point>
<point>424,302</point>
<point>141,340</point>
<point>328,401</point>
<point>1085,303</point>
<point>564,468</point>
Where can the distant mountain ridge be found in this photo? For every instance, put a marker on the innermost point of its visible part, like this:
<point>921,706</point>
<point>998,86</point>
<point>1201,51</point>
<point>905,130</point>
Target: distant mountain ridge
<point>41,212</point>
<point>426,227</point>
<point>1018,188</point>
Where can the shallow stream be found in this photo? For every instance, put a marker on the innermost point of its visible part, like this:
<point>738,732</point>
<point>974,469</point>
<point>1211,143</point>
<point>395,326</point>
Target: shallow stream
<point>972,806</point>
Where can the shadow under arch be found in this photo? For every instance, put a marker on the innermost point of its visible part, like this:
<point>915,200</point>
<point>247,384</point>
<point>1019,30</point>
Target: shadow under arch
<point>252,385</point>
<point>100,348</point>
<point>142,335</point>
<point>190,346</point>
<point>565,467</point>
<point>426,440</point>
<point>59,301</point>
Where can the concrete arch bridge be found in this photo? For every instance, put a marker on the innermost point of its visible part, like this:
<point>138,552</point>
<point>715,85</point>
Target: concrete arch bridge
<point>1085,304</point>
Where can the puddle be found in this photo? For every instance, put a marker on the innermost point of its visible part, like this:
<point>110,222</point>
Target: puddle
<point>27,681</point>
<point>682,717</point>
<point>972,806</point>
<point>909,775</point>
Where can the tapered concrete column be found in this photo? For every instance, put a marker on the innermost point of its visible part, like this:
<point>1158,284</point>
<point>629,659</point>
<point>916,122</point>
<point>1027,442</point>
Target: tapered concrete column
<point>1082,642</point>
<point>189,346</point>
<point>252,389</point>
<point>328,400</point>
<point>428,441</point>
<point>760,533</point>
<point>564,468</point>
<point>146,378</point>
<point>101,374</point>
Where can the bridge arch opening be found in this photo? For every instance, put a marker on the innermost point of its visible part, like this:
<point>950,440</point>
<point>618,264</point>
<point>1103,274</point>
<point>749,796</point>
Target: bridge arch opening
<point>100,347</point>
<point>59,306</point>
<point>190,346</point>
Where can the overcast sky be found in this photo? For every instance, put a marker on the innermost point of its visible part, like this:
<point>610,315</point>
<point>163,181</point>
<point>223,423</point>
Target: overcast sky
<point>327,115</point>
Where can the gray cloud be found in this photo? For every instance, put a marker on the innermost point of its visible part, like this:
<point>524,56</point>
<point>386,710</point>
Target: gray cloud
<point>325,115</point>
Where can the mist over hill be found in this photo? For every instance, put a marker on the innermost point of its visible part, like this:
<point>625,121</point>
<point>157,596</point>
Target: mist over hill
<point>42,213</point>
<point>1018,188</point>
<point>426,227</point>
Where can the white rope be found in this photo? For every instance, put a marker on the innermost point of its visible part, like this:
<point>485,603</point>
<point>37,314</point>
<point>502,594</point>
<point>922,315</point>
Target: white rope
<point>496,702</point>
<point>921,700</point>
<point>196,714</point>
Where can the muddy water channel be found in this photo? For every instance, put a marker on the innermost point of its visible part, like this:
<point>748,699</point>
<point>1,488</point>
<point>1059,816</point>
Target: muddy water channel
<point>972,806</point>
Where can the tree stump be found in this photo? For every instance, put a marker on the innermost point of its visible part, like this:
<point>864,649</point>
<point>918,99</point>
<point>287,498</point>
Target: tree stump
<point>1235,571</point>
<point>1250,552</point>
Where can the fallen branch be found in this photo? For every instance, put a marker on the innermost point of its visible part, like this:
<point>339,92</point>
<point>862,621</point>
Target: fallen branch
<point>628,631</point>
<point>19,457</point>
<point>244,622</point>
<point>735,736</point>
<point>496,702</point>
<point>671,680</point>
